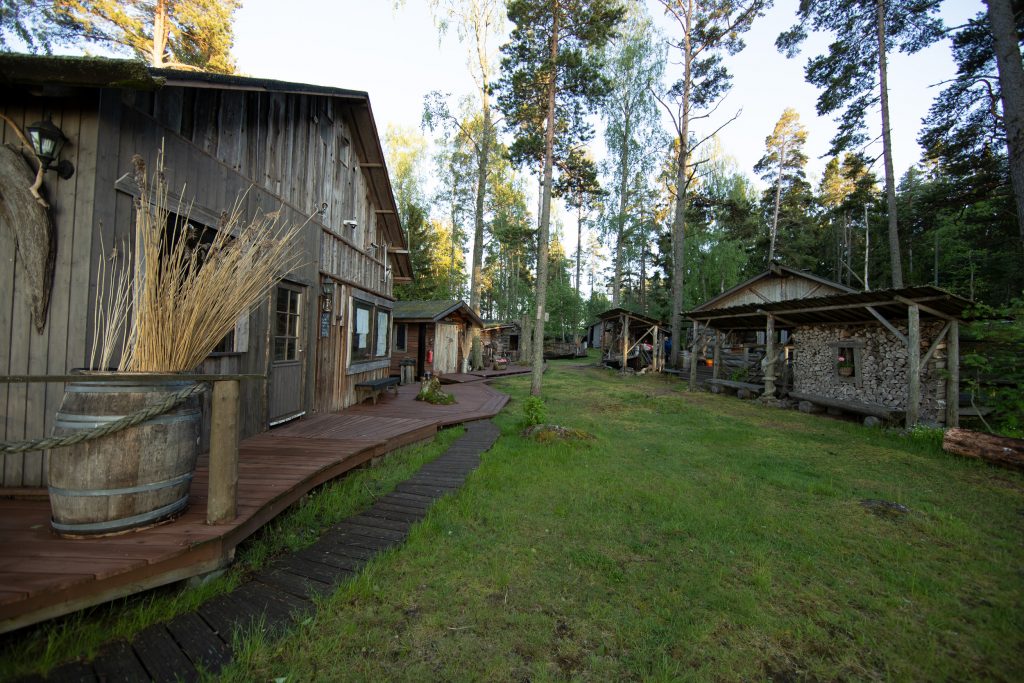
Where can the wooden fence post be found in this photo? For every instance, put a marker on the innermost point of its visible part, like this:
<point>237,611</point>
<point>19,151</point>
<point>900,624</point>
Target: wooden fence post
<point>223,487</point>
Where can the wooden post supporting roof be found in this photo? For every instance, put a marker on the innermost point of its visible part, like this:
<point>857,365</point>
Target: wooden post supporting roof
<point>953,376</point>
<point>718,355</point>
<point>769,357</point>
<point>693,357</point>
<point>625,339</point>
<point>913,365</point>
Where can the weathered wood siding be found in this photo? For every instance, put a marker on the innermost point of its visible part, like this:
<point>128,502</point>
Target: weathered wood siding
<point>274,152</point>
<point>777,288</point>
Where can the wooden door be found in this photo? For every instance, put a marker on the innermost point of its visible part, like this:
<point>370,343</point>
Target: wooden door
<point>288,354</point>
<point>446,348</point>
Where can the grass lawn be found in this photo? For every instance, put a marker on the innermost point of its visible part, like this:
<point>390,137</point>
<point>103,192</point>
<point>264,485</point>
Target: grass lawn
<point>695,537</point>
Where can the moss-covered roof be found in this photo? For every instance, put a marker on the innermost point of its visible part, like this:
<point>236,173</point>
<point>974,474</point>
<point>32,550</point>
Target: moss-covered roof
<point>87,72</point>
<point>433,310</point>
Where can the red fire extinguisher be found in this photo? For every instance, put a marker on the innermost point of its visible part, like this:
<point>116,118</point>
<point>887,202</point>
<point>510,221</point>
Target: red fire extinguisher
<point>430,355</point>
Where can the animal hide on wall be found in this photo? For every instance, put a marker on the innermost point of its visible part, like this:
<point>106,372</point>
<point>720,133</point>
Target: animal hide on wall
<point>33,231</point>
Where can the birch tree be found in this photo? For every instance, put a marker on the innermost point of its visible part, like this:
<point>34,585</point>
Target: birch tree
<point>853,76</point>
<point>551,75</point>
<point>633,132</point>
<point>706,30</point>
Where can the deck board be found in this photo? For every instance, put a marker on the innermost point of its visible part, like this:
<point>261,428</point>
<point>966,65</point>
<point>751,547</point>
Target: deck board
<point>43,576</point>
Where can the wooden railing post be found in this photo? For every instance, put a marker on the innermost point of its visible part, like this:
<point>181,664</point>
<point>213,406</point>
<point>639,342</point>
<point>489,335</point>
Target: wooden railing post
<point>223,487</point>
<point>913,365</point>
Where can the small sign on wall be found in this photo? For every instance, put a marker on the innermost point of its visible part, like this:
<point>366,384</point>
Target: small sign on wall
<point>325,324</point>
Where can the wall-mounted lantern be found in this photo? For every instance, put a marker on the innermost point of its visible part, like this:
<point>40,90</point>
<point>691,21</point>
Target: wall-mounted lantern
<point>327,288</point>
<point>47,142</point>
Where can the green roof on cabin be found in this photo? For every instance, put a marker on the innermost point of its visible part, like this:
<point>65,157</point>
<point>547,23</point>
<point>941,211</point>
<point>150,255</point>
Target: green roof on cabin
<point>433,310</point>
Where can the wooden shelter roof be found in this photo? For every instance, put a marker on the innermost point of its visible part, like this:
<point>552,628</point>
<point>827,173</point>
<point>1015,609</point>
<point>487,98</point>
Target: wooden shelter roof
<point>433,310</point>
<point>856,307</point>
<point>616,312</point>
<point>59,75</point>
<point>777,270</point>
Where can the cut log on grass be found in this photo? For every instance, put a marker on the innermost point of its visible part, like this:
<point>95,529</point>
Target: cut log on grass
<point>998,450</point>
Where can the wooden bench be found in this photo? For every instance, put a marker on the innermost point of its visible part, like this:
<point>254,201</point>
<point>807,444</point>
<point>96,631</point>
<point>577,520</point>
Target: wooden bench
<point>375,387</point>
<point>742,389</point>
<point>876,410</point>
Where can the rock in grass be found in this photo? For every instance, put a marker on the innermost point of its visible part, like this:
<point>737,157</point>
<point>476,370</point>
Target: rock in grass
<point>430,391</point>
<point>549,433</point>
<point>885,508</point>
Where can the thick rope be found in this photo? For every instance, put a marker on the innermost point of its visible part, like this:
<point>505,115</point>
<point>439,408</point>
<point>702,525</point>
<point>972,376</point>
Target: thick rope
<point>171,401</point>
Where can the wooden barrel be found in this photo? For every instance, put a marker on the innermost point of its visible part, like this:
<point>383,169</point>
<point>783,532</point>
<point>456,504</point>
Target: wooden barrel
<point>132,478</point>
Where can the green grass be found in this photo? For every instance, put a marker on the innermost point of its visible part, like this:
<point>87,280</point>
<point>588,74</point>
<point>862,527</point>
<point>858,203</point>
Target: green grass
<point>696,537</point>
<point>39,648</point>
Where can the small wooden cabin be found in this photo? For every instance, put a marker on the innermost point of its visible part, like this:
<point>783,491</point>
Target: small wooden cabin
<point>501,340</point>
<point>310,153</point>
<point>887,353</point>
<point>638,339</point>
<point>437,334</point>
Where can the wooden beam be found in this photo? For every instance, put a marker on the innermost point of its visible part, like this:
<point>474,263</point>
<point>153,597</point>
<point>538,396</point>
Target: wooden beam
<point>788,323</point>
<point>934,345</point>
<point>953,375</point>
<point>692,385</point>
<point>222,498</point>
<point>716,361</point>
<point>913,366</point>
<point>625,340</point>
<point>769,356</point>
<point>927,309</point>
<point>888,325</point>
<point>817,309</point>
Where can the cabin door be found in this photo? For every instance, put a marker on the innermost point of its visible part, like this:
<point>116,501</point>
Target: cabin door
<point>446,348</point>
<point>288,354</point>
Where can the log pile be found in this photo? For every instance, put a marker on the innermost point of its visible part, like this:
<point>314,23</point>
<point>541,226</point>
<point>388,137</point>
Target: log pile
<point>883,366</point>
<point>998,450</point>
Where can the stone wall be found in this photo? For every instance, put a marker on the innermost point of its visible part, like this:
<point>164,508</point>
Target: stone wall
<point>882,361</point>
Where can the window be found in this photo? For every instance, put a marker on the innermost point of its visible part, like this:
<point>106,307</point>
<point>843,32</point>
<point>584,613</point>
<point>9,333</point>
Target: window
<point>848,365</point>
<point>401,330</point>
<point>383,332</point>
<point>286,324</point>
<point>361,317</point>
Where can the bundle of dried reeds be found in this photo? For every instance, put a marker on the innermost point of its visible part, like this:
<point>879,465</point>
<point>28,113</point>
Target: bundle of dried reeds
<point>186,299</point>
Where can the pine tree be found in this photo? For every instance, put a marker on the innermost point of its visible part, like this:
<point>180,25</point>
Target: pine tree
<point>854,73</point>
<point>552,73</point>
<point>174,34</point>
<point>706,30</point>
<point>783,164</point>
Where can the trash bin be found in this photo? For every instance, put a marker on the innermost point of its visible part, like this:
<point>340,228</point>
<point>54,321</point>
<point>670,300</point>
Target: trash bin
<point>408,371</point>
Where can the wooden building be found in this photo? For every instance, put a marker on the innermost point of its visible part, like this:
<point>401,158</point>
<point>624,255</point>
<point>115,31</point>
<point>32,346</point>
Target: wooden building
<point>304,152</point>
<point>437,334</point>
<point>638,339</point>
<point>501,340</point>
<point>886,354</point>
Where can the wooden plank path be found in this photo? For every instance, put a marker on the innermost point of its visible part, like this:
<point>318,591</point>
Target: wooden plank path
<point>284,592</point>
<point>43,576</point>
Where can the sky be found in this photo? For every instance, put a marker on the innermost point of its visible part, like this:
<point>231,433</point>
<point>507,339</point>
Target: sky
<point>396,56</point>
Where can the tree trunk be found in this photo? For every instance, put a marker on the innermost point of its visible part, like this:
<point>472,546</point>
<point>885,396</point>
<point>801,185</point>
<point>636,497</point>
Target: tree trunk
<point>998,450</point>
<point>483,152</point>
<point>579,244</point>
<point>679,220</point>
<point>161,29</point>
<point>545,219</point>
<point>621,218</point>
<point>1005,42</point>
<point>778,198</point>
<point>890,180</point>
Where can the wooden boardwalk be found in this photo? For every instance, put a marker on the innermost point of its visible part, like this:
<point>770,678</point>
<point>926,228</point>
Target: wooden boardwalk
<point>43,576</point>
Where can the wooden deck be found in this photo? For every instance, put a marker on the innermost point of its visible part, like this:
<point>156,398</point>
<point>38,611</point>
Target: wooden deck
<point>484,375</point>
<point>43,576</point>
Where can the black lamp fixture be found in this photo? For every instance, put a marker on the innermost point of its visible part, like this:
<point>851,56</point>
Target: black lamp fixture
<point>47,141</point>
